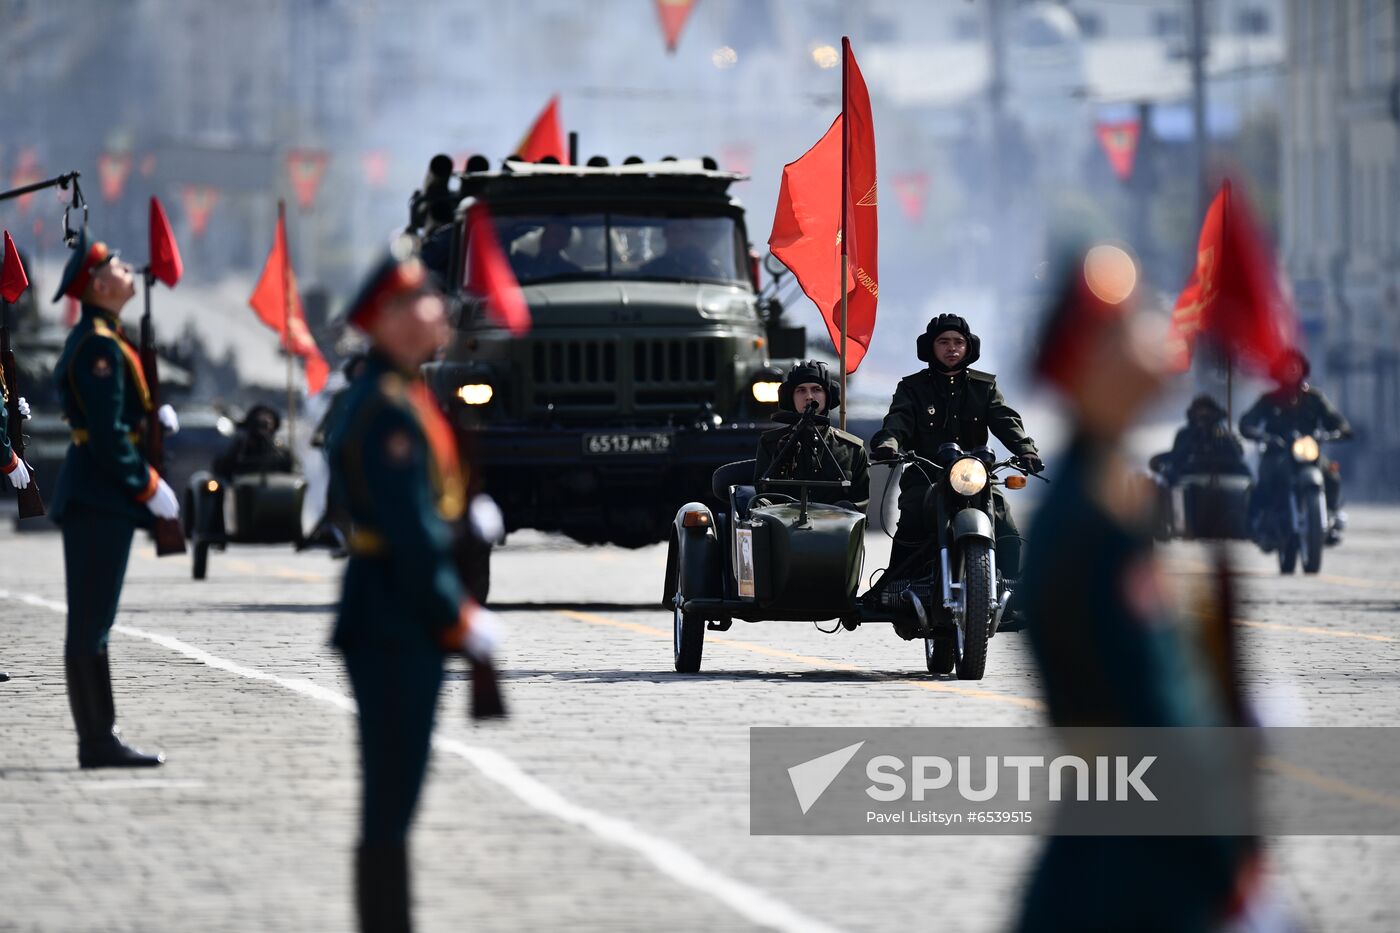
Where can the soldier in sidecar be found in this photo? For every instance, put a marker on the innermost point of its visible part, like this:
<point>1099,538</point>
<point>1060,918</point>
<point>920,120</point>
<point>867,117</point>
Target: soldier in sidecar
<point>251,495</point>
<point>1203,482</point>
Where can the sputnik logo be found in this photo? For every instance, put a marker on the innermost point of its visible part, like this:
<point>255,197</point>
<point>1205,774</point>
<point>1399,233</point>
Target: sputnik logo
<point>811,778</point>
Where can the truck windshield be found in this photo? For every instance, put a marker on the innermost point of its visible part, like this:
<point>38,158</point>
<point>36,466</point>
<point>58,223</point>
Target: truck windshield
<point>560,247</point>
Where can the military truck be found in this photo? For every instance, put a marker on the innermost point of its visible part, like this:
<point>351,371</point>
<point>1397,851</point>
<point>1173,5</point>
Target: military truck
<point>653,358</point>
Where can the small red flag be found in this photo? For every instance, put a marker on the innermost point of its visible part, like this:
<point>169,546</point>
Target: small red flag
<point>673,14</point>
<point>1120,143</point>
<point>277,303</point>
<point>1233,294</point>
<point>305,169</point>
<point>13,281</point>
<point>26,173</point>
<point>488,273</point>
<point>545,136</point>
<point>198,201</point>
<point>912,189</point>
<point>166,264</point>
<point>112,169</point>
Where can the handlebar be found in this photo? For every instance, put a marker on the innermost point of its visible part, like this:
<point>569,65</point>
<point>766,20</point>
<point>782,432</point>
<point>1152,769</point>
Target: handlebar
<point>909,457</point>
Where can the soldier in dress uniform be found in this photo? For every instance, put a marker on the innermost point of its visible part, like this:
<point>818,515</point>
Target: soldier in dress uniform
<point>105,490</point>
<point>808,382</point>
<point>14,469</point>
<point>1109,642</point>
<point>949,402</point>
<point>396,473</point>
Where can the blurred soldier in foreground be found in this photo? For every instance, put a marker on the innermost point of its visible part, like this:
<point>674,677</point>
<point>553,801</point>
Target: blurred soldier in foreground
<point>1107,639</point>
<point>1296,408</point>
<point>105,490</point>
<point>395,471</point>
<point>1205,445</point>
<point>805,383</point>
<point>948,402</point>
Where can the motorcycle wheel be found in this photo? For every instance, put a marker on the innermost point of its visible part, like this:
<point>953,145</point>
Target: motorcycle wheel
<point>1315,535</point>
<point>978,602</point>
<point>689,640</point>
<point>940,654</point>
<point>200,566</point>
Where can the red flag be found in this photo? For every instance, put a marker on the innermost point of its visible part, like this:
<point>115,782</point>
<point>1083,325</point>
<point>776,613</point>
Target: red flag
<point>807,223</point>
<point>375,164</point>
<point>306,168</point>
<point>1233,294</point>
<point>488,273</point>
<point>545,137</point>
<point>277,303</point>
<point>1120,143</point>
<point>673,14</point>
<point>912,189</point>
<point>112,169</point>
<point>166,264</point>
<point>860,225</point>
<point>199,201</point>
<point>13,281</point>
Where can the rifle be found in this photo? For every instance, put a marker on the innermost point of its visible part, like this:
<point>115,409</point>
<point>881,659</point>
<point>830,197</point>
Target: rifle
<point>168,533</point>
<point>31,502</point>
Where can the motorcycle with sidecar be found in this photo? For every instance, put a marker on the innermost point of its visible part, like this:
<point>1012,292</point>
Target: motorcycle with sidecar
<point>772,553</point>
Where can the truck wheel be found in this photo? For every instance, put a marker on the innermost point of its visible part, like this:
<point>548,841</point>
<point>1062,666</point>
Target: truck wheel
<point>940,654</point>
<point>1315,534</point>
<point>978,588</point>
<point>201,560</point>
<point>689,639</point>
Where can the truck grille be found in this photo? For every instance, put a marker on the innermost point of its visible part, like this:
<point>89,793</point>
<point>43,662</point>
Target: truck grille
<point>575,362</point>
<point>674,361</point>
<point>665,374</point>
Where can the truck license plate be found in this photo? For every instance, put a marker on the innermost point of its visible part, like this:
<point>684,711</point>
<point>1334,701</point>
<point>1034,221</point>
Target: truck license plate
<point>645,442</point>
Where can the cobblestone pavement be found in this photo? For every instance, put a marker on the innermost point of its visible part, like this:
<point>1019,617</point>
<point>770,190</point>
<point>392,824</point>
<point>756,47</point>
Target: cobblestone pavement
<point>616,798</point>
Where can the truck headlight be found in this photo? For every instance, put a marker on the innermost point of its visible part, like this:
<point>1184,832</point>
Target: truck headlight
<point>1306,449</point>
<point>968,477</point>
<point>476,393</point>
<point>766,392</point>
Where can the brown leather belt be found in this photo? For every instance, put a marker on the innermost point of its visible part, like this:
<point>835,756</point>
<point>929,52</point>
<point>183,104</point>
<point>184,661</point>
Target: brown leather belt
<point>81,436</point>
<point>366,543</point>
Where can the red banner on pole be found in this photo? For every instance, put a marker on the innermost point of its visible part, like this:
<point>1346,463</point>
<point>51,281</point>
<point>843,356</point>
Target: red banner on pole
<point>860,226</point>
<point>911,188</point>
<point>113,169</point>
<point>198,202</point>
<point>166,264</point>
<point>673,14</point>
<point>545,136</point>
<point>305,169</point>
<point>278,304</point>
<point>489,275</point>
<point>1120,143</point>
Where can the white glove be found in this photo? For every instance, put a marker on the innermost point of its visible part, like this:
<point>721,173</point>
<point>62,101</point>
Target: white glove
<point>164,504</point>
<point>19,476</point>
<point>168,419</point>
<point>483,634</point>
<point>24,409</point>
<point>486,519</point>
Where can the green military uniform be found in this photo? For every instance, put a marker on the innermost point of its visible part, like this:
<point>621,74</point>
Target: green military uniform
<point>807,462</point>
<point>931,409</point>
<point>99,502</point>
<point>1109,655</point>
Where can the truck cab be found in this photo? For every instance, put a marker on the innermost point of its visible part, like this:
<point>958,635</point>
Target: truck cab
<point>651,360</point>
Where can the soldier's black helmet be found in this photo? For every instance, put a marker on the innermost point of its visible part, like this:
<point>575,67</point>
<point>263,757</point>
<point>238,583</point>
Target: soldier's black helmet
<point>1203,406</point>
<point>942,324</point>
<point>804,372</point>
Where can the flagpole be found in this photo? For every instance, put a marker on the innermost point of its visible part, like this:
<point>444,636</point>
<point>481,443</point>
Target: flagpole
<point>287,320</point>
<point>845,186</point>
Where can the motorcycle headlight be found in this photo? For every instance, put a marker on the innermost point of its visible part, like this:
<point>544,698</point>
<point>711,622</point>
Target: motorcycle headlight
<point>476,393</point>
<point>1306,449</point>
<point>766,392</point>
<point>968,477</point>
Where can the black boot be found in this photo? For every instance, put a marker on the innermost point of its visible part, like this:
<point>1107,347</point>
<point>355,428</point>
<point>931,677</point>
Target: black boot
<point>381,888</point>
<point>4,677</point>
<point>90,698</point>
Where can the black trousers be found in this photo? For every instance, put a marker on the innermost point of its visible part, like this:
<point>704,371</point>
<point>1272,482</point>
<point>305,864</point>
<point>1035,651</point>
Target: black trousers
<point>396,688</point>
<point>96,546</point>
<point>914,530</point>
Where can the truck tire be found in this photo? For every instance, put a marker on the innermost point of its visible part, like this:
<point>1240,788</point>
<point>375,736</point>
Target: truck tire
<point>200,566</point>
<point>1315,533</point>
<point>940,654</point>
<point>979,604</point>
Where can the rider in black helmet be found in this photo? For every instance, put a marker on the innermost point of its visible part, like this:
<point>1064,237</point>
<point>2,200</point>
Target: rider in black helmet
<point>807,383</point>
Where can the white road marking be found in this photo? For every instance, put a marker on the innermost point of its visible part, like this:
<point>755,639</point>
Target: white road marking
<point>137,784</point>
<point>666,857</point>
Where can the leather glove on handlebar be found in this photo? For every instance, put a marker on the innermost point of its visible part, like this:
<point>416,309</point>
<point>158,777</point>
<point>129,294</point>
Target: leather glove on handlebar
<point>883,453</point>
<point>1032,463</point>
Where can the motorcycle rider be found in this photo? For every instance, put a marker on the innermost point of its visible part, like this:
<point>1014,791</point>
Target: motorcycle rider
<point>1205,445</point>
<point>254,448</point>
<point>807,382</point>
<point>1296,407</point>
<point>949,402</point>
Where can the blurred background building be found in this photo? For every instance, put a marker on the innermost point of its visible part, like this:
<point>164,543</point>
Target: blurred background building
<point>999,122</point>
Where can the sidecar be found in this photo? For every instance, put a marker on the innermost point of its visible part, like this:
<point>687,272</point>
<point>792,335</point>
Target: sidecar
<point>248,508</point>
<point>1202,506</point>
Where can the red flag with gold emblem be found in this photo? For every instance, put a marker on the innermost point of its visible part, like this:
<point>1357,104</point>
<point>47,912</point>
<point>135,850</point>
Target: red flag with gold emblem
<point>545,136</point>
<point>1233,295</point>
<point>673,14</point>
<point>860,225</point>
<point>807,222</point>
<point>277,303</point>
